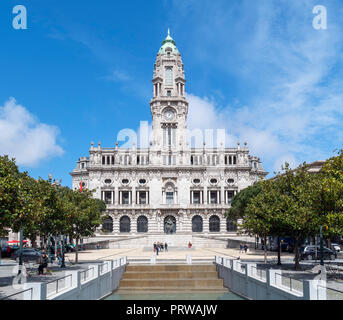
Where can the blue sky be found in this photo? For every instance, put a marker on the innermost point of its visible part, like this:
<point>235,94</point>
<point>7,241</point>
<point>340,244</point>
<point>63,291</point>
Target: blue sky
<point>82,71</point>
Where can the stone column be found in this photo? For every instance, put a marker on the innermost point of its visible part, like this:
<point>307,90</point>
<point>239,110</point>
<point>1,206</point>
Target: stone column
<point>116,196</point>
<point>222,200</point>
<point>205,195</point>
<point>134,196</point>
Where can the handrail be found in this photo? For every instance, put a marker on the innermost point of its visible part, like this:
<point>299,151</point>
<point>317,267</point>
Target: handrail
<point>85,273</point>
<point>328,290</point>
<point>17,293</point>
<point>57,287</point>
<point>261,276</point>
<point>291,288</point>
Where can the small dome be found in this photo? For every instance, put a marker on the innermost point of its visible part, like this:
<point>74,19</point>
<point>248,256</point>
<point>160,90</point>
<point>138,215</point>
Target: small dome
<point>168,43</point>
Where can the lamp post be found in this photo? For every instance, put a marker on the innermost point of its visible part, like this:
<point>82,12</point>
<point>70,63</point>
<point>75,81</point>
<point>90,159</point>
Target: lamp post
<point>62,251</point>
<point>321,247</point>
<point>278,251</point>
<point>20,246</point>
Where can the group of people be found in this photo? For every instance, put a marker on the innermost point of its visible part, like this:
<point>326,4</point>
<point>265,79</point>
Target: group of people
<point>159,246</point>
<point>243,247</point>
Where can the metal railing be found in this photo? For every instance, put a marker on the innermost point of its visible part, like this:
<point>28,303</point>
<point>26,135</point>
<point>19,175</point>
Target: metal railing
<point>55,286</point>
<point>259,273</point>
<point>19,295</point>
<point>240,267</point>
<point>103,268</point>
<point>330,293</point>
<point>290,283</point>
<point>87,274</point>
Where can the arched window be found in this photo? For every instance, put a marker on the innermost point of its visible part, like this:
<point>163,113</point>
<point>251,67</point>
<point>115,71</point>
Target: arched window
<point>142,224</point>
<point>231,226</point>
<point>107,225</point>
<point>125,224</point>
<point>214,224</point>
<point>197,224</point>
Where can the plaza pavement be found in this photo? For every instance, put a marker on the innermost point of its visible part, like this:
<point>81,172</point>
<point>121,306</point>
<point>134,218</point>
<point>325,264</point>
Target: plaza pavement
<point>200,253</point>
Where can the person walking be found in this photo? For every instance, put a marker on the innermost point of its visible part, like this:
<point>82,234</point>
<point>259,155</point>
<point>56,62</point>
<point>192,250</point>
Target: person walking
<point>166,246</point>
<point>157,249</point>
<point>240,248</point>
<point>245,248</point>
<point>154,246</point>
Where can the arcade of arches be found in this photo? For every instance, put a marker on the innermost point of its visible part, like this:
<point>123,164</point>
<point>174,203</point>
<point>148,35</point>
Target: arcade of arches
<point>143,224</point>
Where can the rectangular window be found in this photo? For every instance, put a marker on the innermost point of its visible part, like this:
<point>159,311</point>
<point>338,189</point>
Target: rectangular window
<point>169,93</point>
<point>170,197</point>
<point>125,195</point>
<point>213,197</point>
<point>142,198</point>
<point>108,197</point>
<point>230,195</point>
<point>196,197</point>
<point>169,76</point>
<point>169,137</point>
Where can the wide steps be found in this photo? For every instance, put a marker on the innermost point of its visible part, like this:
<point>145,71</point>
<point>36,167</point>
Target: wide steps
<point>144,290</point>
<point>170,275</point>
<point>171,278</point>
<point>166,283</point>
<point>166,268</point>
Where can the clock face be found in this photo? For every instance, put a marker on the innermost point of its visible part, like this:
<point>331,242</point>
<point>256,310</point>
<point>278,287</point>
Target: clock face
<point>169,115</point>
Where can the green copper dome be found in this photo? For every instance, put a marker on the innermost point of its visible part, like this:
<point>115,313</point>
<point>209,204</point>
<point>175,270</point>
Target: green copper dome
<point>168,43</point>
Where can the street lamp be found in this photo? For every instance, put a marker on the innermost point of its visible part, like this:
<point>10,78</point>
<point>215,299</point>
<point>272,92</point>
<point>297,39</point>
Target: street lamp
<point>322,245</point>
<point>20,245</point>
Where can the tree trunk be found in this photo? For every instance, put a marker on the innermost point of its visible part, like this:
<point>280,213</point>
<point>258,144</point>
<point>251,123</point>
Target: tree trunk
<point>77,251</point>
<point>265,249</point>
<point>296,248</point>
<point>33,242</point>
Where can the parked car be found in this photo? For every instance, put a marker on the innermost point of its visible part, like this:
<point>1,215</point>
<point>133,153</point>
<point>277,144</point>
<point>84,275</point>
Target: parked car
<point>29,255</point>
<point>336,247</point>
<point>309,253</point>
<point>6,251</point>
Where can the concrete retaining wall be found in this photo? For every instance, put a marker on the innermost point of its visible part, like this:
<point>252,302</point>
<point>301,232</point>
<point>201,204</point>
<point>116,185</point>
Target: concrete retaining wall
<point>94,283</point>
<point>245,280</point>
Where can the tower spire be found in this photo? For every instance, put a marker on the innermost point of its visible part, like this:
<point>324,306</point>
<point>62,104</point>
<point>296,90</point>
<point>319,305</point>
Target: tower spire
<point>168,32</point>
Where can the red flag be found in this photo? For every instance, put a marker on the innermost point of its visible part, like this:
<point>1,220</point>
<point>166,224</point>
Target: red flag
<point>81,186</point>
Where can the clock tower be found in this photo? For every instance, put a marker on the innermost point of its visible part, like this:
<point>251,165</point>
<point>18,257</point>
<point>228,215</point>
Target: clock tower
<point>169,107</point>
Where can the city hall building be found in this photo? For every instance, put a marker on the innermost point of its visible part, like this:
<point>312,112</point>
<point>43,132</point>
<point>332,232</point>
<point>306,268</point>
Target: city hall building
<point>169,187</point>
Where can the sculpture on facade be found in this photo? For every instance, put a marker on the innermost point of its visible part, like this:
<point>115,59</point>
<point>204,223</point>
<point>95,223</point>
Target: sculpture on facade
<point>169,226</point>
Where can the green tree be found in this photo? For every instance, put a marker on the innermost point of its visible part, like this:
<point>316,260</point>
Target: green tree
<point>84,215</point>
<point>241,200</point>
<point>9,192</point>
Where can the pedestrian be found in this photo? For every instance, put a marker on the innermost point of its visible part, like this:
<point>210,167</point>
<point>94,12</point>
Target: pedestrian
<point>240,248</point>
<point>189,245</point>
<point>245,248</point>
<point>157,249</point>
<point>166,246</point>
<point>155,246</point>
<point>43,263</point>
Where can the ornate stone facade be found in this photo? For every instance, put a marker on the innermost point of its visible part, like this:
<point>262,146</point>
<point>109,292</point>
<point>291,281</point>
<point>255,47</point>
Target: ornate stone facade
<point>168,181</point>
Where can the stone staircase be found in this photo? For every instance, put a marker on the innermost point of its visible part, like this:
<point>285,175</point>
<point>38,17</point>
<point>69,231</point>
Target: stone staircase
<point>171,278</point>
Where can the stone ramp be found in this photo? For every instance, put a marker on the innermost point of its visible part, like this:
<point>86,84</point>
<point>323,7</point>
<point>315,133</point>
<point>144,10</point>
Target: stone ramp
<point>171,278</point>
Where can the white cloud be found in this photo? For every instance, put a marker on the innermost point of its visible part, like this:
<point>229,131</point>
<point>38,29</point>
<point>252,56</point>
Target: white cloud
<point>296,113</point>
<point>118,76</point>
<point>24,137</point>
